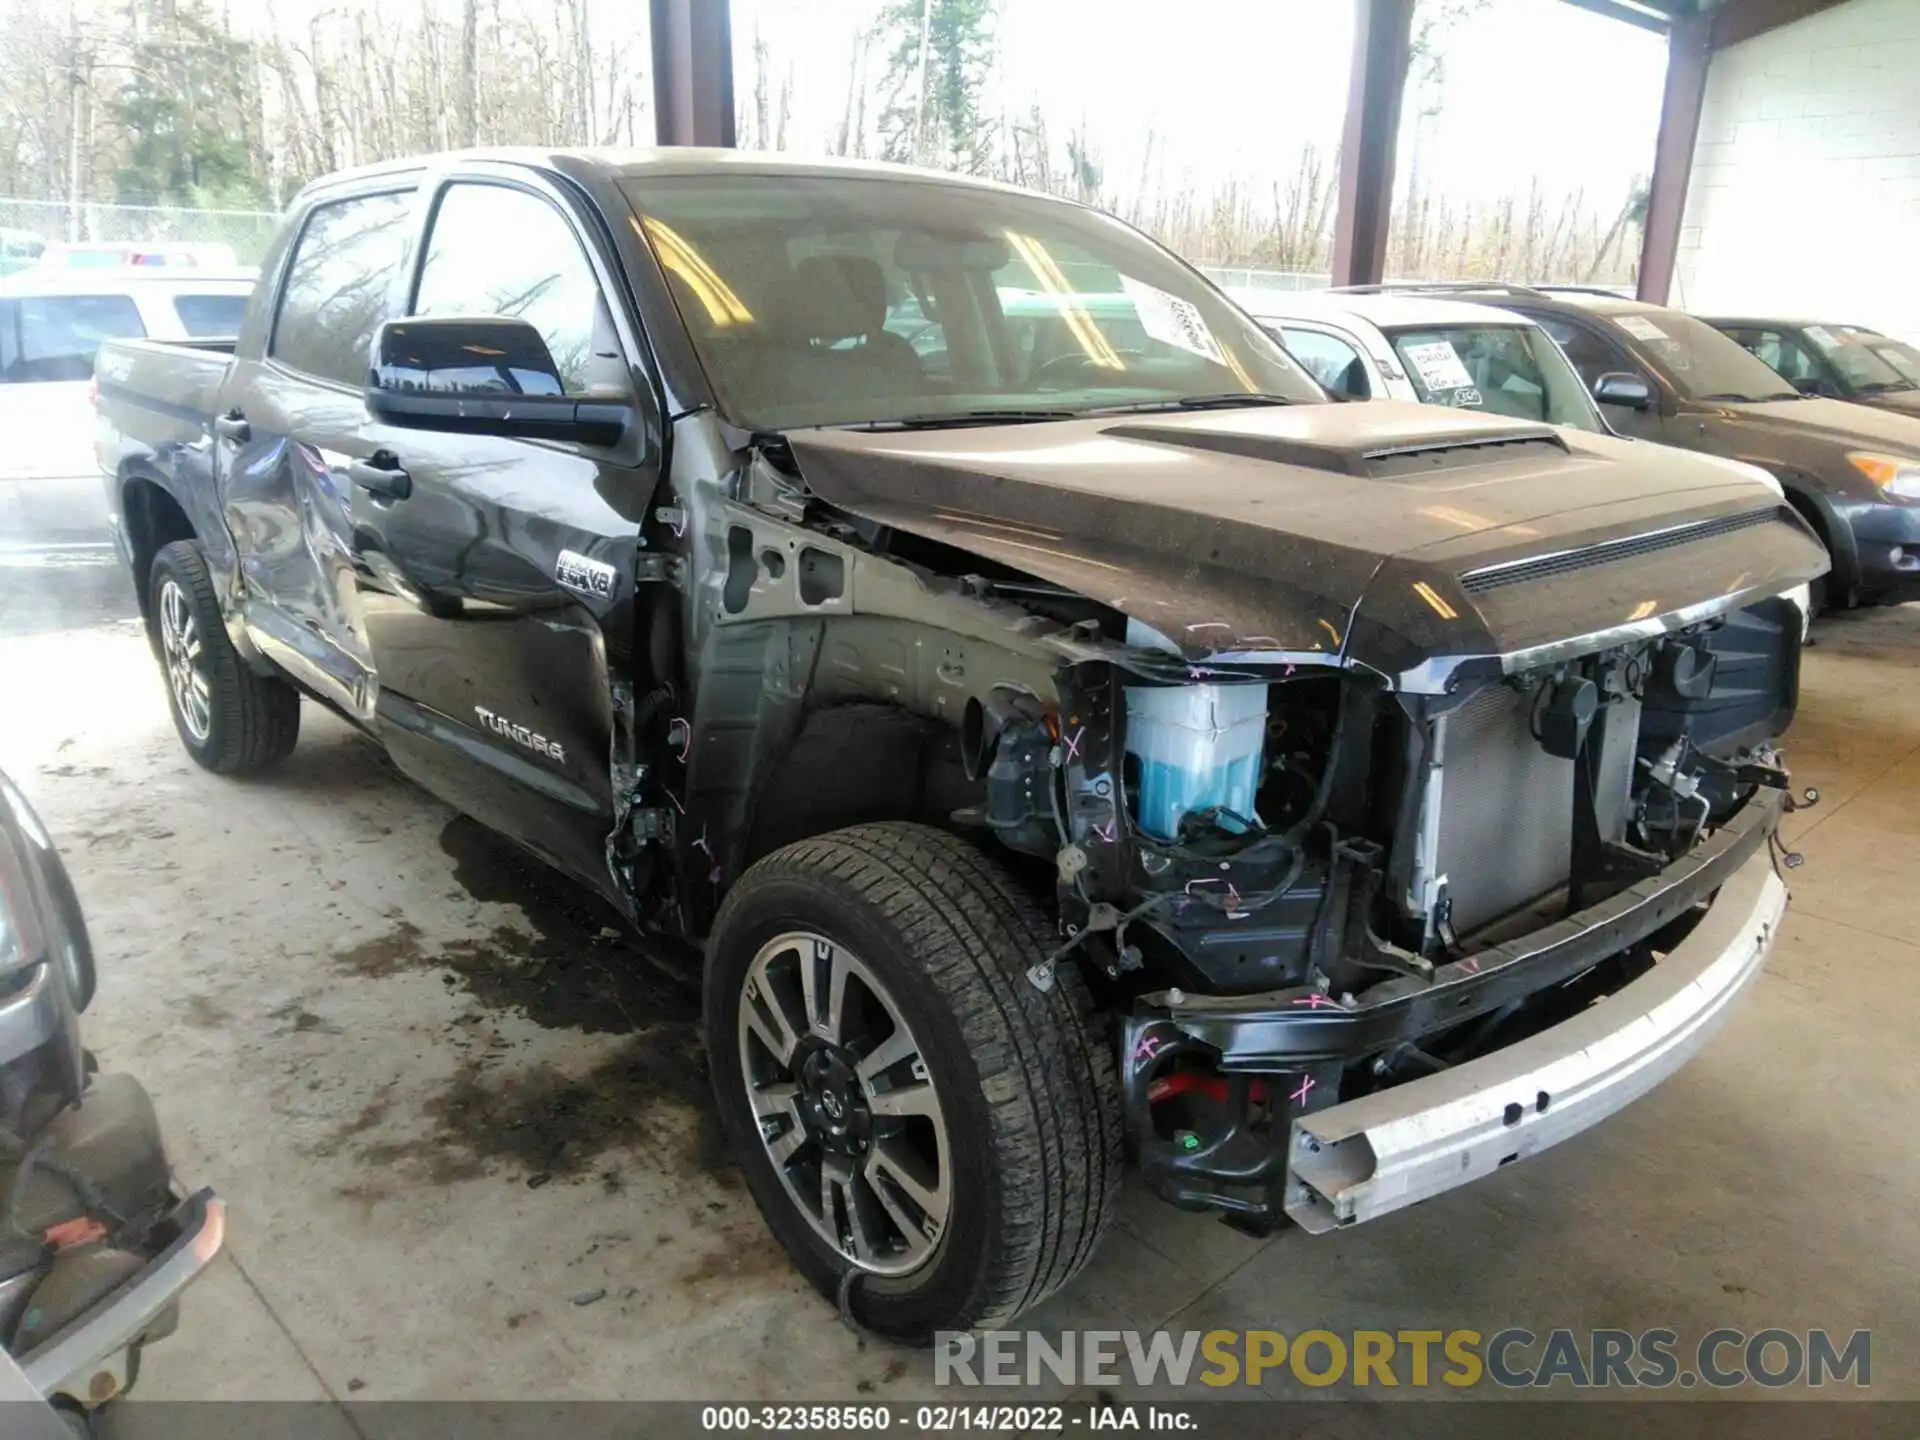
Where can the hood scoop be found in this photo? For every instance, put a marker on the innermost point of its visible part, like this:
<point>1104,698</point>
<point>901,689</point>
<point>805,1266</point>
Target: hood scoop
<point>1405,461</point>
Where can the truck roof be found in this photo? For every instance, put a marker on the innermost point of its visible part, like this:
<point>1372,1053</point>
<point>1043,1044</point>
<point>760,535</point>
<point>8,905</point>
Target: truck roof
<point>1388,311</point>
<point>620,164</point>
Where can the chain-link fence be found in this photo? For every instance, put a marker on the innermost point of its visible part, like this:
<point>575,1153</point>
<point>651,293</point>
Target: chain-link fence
<point>245,232</point>
<point>1238,277</point>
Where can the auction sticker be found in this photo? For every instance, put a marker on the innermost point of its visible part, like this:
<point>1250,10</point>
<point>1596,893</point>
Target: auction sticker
<point>1172,321</point>
<point>1439,365</point>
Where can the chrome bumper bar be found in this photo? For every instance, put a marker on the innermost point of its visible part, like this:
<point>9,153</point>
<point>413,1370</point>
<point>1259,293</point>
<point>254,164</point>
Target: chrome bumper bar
<point>88,1362</point>
<point>1369,1157</point>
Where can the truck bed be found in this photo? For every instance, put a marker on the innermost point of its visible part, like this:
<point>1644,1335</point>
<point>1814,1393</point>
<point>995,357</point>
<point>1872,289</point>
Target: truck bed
<point>164,376</point>
<point>157,400</point>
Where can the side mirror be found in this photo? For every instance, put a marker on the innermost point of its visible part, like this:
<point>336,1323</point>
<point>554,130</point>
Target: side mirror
<point>1625,390</point>
<point>482,375</point>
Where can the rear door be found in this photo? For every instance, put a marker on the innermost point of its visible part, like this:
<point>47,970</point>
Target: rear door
<point>498,578</point>
<point>295,422</point>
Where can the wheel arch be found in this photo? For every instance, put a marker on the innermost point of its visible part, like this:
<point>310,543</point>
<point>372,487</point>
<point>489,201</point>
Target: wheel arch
<point>152,517</point>
<point>885,763</point>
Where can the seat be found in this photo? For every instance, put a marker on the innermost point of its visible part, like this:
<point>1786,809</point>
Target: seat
<point>837,299</point>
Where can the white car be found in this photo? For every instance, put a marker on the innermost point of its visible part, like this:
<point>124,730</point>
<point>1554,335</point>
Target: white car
<point>51,323</point>
<point>1412,346</point>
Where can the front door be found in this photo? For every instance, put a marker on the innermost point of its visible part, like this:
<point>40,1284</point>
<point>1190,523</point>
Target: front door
<point>498,576</point>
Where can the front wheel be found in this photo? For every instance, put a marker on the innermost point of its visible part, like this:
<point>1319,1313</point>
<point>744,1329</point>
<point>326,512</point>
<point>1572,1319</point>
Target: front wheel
<point>229,718</point>
<point>904,1103</point>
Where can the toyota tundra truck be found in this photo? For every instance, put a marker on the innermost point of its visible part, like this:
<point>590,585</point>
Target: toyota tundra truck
<point>1072,739</point>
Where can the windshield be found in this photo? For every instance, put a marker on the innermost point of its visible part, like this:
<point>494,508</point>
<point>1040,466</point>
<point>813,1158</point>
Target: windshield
<point>823,300</point>
<point>1499,369</point>
<point>1700,362</point>
<point>1854,354</point>
<point>1897,353</point>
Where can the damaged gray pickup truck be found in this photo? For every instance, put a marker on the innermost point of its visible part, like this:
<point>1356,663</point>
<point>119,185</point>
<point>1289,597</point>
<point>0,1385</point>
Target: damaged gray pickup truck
<point>1070,735</point>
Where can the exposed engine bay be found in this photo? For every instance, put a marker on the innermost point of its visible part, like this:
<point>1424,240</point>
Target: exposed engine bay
<point>1334,844</point>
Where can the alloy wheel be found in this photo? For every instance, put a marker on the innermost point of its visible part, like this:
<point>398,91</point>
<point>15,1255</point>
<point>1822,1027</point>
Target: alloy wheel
<point>844,1103</point>
<point>180,649</point>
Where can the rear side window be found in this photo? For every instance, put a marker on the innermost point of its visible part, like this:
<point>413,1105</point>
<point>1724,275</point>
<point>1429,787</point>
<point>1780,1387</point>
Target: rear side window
<point>54,337</point>
<point>344,266</point>
<point>210,314</point>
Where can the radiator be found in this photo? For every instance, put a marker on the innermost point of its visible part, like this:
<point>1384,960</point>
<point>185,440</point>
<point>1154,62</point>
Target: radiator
<point>1505,826</point>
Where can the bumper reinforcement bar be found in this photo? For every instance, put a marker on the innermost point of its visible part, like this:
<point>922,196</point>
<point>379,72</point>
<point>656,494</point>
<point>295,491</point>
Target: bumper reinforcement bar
<point>1368,1157</point>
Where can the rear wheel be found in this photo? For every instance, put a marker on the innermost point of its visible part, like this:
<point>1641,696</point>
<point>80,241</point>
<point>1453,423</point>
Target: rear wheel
<point>229,718</point>
<point>904,1103</point>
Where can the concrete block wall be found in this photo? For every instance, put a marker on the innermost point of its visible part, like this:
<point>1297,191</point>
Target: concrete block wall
<point>1805,194</point>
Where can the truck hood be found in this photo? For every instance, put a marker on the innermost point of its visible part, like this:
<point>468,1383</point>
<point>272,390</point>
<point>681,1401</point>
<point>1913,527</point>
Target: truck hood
<point>1402,537</point>
<point>1900,402</point>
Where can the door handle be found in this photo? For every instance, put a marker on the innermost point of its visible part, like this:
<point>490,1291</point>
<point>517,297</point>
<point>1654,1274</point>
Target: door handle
<point>233,426</point>
<point>381,476</point>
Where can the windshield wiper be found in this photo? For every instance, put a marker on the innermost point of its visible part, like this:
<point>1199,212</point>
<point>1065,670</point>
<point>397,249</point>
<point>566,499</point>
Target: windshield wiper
<point>1735,397</point>
<point>949,418</point>
<point>1885,387</point>
<point>1226,400</point>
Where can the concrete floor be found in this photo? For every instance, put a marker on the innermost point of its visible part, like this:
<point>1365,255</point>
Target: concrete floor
<point>449,1105</point>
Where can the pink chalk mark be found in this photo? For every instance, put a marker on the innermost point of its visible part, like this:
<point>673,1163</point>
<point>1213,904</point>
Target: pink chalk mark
<point>1299,1096</point>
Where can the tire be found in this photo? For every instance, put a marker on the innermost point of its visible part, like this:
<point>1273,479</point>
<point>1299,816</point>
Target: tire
<point>1023,1088</point>
<point>230,719</point>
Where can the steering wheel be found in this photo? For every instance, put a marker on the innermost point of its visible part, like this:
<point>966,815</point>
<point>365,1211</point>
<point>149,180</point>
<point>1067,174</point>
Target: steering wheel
<point>1076,367</point>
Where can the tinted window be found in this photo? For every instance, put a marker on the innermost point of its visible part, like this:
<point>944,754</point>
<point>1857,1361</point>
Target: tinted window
<point>837,299</point>
<point>210,314</point>
<point>497,251</point>
<point>1502,369</point>
<point>1586,351</point>
<point>1334,363</point>
<point>54,337</point>
<point>1897,353</point>
<point>1864,370</point>
<point>1696,359</point>
<point>344,265</point>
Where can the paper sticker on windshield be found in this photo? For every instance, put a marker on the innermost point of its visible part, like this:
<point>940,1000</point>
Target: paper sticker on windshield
<point>1820,336</point>
<point>1439,365</point>
<point>1172,321</point>
<point>1642,328</point>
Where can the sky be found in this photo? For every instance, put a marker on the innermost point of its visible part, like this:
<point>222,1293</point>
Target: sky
<point>1237,88</point>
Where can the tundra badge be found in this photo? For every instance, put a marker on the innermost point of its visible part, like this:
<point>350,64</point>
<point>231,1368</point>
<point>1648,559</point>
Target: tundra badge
<point>521,735</point>
<point>590,577</point>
